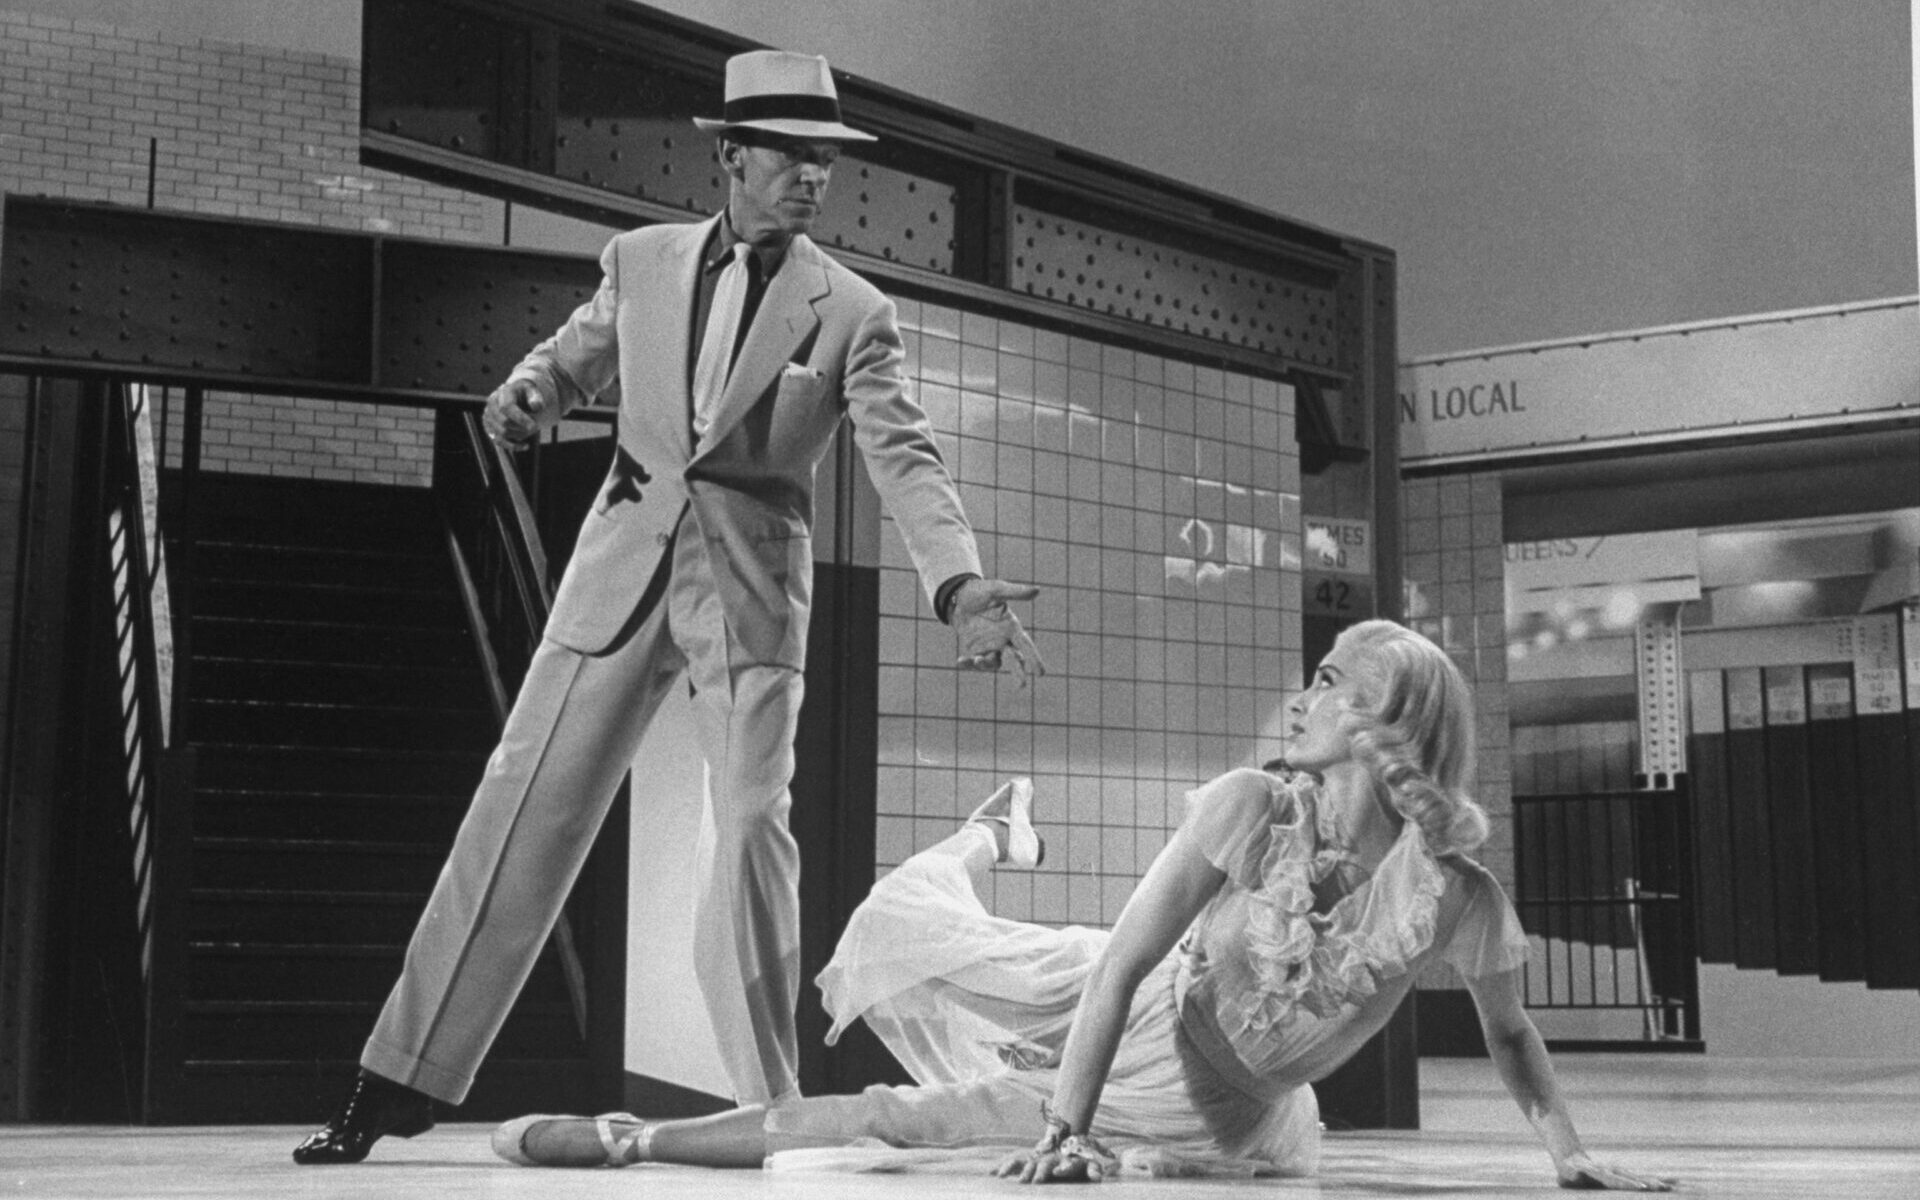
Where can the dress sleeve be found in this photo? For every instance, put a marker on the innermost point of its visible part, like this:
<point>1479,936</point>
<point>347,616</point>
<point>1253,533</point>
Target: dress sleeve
<point>1231,821</point>
<point>1488,939</point>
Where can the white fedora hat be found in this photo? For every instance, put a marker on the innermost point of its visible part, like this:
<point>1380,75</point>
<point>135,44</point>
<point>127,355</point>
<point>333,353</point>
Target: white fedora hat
<point>784,93</point>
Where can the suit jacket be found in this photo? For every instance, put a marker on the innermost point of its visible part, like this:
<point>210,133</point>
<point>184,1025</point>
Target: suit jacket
<point>823,344</point>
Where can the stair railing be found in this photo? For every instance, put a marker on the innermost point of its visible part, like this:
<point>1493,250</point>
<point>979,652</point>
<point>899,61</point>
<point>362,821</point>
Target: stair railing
<point>494,540</point>
<point>142,633</point>
<point>157,768</point>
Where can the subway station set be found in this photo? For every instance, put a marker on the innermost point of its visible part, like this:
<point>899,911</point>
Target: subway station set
<point>259,567</point>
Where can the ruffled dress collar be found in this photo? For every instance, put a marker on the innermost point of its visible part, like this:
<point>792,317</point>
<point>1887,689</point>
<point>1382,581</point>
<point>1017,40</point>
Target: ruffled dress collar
<point>1332,962</point>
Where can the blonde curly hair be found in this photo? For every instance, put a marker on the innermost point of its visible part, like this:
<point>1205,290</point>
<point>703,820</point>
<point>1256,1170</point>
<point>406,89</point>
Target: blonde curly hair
<point>1413,730</point>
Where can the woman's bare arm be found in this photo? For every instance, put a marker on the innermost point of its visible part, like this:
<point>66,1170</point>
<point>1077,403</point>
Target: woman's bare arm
<point>1175,888</point>
<point>1521,1058</point>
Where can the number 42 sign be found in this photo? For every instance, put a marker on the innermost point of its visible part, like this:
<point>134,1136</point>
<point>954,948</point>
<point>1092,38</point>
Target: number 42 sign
<point>1337,562</point>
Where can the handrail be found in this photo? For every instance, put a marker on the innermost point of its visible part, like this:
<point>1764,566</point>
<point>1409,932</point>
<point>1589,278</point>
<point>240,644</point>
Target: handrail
<point>157,766</point>
<point>141,632</point>
<point>505,586</point>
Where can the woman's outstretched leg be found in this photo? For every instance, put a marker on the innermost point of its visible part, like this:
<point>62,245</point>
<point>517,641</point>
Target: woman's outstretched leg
<point>982,840</point>
<point>1006,817</point>
<point>735,1138</point>
<point>977,844</point>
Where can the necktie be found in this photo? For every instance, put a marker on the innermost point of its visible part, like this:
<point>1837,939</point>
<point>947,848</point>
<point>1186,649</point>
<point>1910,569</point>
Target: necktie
<point>716,348</point>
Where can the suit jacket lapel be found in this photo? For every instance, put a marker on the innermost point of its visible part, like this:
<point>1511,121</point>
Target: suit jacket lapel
<point>666,321</point>
<point>785,317</point>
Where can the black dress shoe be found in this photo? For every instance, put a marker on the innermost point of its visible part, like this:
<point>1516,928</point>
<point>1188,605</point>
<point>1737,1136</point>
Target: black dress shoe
<point>378,1107</point>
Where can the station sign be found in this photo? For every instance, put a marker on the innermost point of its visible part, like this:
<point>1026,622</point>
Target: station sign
<point>1588,572</point>
<point>1845,363</point>
<point>1337,567</point>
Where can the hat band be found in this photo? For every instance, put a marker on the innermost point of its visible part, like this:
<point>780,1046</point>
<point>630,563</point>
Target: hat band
<point>793,106</point>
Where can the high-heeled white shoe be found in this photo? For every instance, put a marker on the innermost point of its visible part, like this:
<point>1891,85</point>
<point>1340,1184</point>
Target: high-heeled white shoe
<point>615,1150</point>
<point>1026,849</point>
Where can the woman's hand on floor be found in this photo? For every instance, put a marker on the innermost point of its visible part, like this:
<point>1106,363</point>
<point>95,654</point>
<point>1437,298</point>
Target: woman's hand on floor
<point>1075,1160</point>
<point>1581,1172</point>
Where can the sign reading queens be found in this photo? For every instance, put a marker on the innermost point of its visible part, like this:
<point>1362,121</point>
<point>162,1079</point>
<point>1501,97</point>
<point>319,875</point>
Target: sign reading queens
<point>1848,364</point>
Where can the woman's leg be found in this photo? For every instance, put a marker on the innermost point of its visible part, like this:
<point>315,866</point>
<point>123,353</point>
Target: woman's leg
<point>978,844</point>
<point>735,1138</point>
<point>992,819</point>
<point>999,1109</point>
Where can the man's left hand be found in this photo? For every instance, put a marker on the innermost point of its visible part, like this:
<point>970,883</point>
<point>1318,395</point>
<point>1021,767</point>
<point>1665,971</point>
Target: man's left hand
<point>988,629</point>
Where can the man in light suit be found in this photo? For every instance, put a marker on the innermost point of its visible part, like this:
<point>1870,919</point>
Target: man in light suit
<point>738,347</point>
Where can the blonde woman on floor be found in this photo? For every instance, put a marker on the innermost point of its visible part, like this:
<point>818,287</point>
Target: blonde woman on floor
<point>1276,932</point>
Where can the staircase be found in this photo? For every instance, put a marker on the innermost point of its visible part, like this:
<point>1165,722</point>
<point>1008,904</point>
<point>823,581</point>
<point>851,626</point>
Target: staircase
<point>341,718</point>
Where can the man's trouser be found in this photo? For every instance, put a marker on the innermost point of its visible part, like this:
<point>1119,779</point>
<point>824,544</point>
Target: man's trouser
<point>571,736</point>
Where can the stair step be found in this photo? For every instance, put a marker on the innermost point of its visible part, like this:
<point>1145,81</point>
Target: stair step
<point>251,561</point>
<point>262,637</point>
<point>385,816</point>
<point>516,1064</point>
<point>404,526</point>
<point>464,688</point>
<point>340,723</point>
<point>311,916</point>
<point>229,971</point>
<point>265,722</point>
<point>306,1090</point>
<point>332,603</point>
<point>353,771</point>
<point>300,512</point>
<point>264,603</point>
<point>315,864</point>
<point>262,971</point>
<point>282,1029</point>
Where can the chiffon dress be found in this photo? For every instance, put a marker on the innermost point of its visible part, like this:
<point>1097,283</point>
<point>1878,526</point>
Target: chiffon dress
<point>1299,958</point>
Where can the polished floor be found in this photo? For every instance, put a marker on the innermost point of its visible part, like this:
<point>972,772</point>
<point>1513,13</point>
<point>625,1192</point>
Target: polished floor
<point>1742,1128</point>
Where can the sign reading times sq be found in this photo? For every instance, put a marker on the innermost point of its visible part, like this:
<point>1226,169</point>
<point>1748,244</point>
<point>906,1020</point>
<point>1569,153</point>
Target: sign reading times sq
<point>1853,362</point>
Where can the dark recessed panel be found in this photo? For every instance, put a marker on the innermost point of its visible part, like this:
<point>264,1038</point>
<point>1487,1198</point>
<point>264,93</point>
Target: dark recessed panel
<point>127,286</point>
<point>1093,266</point>
<point>457,318</point>
<point>600,97</point>
<point>444,75</point>
<point>627,126</point>
<point>890,214</point>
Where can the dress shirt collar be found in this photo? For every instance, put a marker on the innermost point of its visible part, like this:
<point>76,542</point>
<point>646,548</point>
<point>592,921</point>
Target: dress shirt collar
<point>724,240</point>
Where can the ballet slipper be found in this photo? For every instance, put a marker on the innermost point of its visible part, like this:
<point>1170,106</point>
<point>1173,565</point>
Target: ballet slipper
<point>613,1150</point>
<point>1026,849</point>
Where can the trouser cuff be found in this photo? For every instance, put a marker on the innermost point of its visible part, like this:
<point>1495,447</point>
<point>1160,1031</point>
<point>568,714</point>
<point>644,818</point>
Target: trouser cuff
<point>448,1087</point>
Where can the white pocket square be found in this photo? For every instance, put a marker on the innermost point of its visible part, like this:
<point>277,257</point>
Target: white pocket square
<point>800,371</point>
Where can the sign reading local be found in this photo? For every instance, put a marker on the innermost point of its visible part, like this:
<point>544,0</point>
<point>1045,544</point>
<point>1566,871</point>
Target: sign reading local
<point>1462,402</point>
<point>1848,362</point>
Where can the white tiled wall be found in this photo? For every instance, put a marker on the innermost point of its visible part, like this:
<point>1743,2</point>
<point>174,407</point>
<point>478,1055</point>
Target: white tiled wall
<point>1157,505</point>
<point>1455,569</point>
